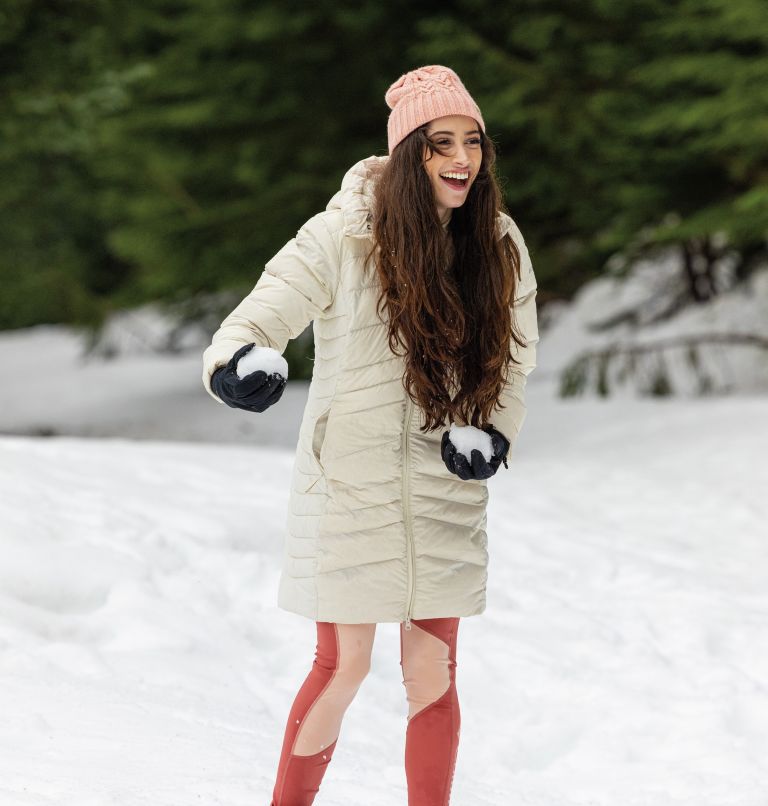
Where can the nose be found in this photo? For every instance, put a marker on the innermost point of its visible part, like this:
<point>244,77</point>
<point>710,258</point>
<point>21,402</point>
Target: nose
<point>462,155</point>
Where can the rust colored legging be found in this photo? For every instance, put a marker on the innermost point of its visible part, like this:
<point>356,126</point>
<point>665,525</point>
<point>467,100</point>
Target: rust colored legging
<point>342,660</point>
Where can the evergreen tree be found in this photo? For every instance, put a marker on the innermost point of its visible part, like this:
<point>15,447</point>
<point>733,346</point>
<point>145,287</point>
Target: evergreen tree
<point>160,149</point>
<point>55,263</point>
<point>685,152</point>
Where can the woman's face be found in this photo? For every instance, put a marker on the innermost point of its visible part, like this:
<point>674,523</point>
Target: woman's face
<point>458,137</point>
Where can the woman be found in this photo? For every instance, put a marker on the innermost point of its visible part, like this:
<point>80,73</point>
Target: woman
<point>422,296</point>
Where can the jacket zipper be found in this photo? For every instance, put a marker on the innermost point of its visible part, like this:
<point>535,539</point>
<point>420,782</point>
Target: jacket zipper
<point>407,511</point>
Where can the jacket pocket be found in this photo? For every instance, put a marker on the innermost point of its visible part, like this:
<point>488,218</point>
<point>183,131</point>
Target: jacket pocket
<point>310,476</point>
<point>318,437</point>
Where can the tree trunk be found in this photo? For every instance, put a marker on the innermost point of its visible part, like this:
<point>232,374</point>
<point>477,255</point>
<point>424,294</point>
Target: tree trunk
<point>698,262</point>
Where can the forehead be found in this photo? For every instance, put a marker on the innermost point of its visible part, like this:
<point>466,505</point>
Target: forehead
<point>458,124</point>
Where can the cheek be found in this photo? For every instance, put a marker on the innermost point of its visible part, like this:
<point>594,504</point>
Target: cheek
<point>434,179</point>
<point>429,171</point>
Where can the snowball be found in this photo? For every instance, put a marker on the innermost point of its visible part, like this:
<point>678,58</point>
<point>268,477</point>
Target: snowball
<point>266,358</point>
<point>467,437</point>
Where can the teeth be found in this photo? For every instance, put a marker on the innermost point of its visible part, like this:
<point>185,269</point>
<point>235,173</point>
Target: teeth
<point>454,175</point>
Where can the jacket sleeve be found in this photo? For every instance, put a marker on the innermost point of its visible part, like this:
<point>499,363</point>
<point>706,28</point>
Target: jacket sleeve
<point>509,420</point>
<point>297,284</point>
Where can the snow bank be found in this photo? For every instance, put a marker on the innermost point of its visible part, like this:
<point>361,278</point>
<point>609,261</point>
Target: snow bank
<point>682,354</point>
<point>151,392</point>
<point>139,396</point>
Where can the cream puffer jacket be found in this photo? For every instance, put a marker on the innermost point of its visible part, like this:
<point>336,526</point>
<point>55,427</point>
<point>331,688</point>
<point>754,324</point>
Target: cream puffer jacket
<point>378,529</point>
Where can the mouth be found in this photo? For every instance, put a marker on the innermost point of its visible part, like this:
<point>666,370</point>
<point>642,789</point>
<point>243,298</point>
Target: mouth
<point>456,180</point>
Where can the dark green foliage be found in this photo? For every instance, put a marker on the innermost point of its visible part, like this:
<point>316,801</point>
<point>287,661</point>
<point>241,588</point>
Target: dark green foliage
<point>574,379</point>
<point>603,387</point>
<point>687,127</point>
<point>660,385</point>
<point>158,150</point>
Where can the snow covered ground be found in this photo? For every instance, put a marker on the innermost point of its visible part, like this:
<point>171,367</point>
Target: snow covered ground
<point>622,660</point>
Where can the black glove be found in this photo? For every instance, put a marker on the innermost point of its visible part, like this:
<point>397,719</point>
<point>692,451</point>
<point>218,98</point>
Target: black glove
<point>255,392</point>
<point>478,468</point>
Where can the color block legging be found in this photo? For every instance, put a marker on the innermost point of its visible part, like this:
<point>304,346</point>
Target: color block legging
<point>342,660</point>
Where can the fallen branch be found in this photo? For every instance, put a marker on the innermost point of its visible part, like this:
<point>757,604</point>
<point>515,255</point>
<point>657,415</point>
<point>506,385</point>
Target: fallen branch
<point>634,358</point>
<point>677,341</point>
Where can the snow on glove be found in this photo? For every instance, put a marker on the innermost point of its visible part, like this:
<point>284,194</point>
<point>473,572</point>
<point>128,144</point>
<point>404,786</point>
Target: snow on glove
<point>472,453</point>
<point>254,383</point>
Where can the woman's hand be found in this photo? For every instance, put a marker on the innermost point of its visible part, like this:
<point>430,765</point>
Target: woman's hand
<point>256,391</point>
<point>476,466</point>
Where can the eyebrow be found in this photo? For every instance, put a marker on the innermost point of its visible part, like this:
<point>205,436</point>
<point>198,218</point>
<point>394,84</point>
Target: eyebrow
<point>473,131</point>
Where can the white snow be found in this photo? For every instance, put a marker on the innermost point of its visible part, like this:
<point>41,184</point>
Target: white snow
<point>262,358</point>
<point>622,659</point>
<point>467,437</point>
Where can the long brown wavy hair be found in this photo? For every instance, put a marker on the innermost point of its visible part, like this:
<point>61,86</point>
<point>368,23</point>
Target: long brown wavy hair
<point>448,294</point>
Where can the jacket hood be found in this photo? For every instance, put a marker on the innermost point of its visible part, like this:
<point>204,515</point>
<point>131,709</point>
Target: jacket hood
<point>355,199</point>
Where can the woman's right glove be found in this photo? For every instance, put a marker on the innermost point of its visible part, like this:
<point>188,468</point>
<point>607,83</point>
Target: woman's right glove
<point>257,390</point>
<point>476,467</point>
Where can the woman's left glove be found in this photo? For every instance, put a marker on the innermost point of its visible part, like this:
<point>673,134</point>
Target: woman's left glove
<point>476,467</point>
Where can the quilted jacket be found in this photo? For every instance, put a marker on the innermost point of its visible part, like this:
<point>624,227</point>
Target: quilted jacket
<point>378,529</point>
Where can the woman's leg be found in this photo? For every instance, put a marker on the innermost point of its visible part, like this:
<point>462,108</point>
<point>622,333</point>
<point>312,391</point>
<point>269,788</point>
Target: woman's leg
<point>428,658</point>
<point>342,660</point>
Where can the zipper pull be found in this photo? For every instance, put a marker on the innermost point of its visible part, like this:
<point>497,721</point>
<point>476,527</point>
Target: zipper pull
<point>504,459</point>
<point>407,622</point>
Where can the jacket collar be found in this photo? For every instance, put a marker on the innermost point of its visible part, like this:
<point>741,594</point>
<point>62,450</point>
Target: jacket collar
<point>355,199</point>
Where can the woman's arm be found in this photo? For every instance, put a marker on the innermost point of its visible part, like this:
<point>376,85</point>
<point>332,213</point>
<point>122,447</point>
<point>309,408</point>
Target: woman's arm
<point>509,420</point>
<point>297,284</point>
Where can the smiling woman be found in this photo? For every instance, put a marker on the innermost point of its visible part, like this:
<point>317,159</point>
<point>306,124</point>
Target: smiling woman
<point>424,334</point>
<point>451,302</point>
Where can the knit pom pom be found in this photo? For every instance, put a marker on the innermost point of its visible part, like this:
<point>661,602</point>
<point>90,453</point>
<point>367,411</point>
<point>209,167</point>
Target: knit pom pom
<point>432,78</point>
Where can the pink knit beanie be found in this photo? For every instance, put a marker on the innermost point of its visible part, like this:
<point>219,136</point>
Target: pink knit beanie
<point>425,94</point>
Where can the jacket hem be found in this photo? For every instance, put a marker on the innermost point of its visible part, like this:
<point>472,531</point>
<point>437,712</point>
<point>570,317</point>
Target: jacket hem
<point>374,618</point>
